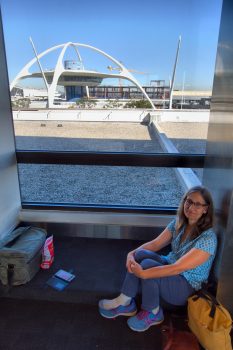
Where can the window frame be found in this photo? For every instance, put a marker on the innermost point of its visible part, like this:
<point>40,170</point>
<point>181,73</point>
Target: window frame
<point>108,159</point>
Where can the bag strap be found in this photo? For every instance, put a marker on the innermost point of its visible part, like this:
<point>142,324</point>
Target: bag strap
<point>10,274</point>
<point>204,294</point>
<point>13,236</point>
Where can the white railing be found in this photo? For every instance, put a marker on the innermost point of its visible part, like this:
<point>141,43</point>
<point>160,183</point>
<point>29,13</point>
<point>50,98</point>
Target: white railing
<point>115,115</point>
<point>182,116</point>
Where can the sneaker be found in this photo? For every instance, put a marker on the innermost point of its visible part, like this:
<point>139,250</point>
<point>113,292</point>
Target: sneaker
<point>144,320</point>
<point>128,310</point>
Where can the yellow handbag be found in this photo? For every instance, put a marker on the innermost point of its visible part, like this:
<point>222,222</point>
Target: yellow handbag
<point>209,321</point>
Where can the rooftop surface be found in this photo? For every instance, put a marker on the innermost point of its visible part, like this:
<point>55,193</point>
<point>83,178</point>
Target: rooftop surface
<point>101,184</point>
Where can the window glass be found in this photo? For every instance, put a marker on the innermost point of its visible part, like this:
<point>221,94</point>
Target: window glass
<point>86,136</point>
<point>105,76</point>
<point>100,185</point>
<point>78,74</point>
<point>186,137</point>
<point>158,137</point>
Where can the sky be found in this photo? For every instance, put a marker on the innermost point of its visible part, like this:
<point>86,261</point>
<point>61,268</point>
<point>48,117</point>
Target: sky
<point>143,35</point>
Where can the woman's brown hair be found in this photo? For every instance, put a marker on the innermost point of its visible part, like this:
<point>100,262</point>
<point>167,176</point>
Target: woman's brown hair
<point>206,220</point>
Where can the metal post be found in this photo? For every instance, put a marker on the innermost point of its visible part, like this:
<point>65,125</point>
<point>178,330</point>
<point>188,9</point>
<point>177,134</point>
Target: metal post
<point>182,97</point>
<point>174,72</point>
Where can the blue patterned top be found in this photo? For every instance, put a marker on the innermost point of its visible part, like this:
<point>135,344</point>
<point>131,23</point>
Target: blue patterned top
<point>207,241</point>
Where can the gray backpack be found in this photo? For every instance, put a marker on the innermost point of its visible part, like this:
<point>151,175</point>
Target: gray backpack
<point>20,255</point>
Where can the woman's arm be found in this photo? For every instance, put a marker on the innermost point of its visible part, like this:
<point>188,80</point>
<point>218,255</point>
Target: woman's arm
<point>190,260</point>
<point>156,244</point>
<point>159,242</point>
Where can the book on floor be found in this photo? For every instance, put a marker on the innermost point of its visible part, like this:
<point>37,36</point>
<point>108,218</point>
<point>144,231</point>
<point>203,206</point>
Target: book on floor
<point>60,279</point>
<point>64,275</point>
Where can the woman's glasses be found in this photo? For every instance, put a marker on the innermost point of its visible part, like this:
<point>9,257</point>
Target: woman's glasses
<point>196,205</point>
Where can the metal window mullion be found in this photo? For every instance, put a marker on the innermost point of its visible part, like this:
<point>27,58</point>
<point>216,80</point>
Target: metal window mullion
<point>112,159</point>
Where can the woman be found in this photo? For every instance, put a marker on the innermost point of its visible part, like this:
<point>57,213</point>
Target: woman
<point>173,277</point>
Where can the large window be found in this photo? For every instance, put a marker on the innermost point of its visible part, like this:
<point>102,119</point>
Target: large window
<point>144,39</point>
<point>102,185</point>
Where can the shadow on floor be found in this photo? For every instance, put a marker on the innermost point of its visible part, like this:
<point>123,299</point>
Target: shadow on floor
<point>35,316</point>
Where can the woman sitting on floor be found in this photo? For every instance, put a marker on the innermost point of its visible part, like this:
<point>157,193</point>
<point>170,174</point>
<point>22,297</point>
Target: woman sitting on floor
<point>173,277</point>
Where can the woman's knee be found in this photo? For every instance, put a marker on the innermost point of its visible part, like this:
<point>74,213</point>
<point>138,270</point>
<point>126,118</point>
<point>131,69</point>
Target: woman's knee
<point>141,254</point>
<point>148,263</point>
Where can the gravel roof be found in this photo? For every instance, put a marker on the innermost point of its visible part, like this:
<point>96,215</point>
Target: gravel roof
<point>102,184</point>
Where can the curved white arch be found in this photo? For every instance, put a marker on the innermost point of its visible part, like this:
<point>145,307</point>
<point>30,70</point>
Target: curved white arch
<point>25,70</point>
<point>59,69</point>
<point>79,56</point>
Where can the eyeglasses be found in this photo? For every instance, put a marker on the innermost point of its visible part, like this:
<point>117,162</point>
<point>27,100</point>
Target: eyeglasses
<point>197,205</point>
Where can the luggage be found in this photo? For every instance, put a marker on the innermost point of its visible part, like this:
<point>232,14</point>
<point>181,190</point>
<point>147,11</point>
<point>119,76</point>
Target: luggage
<point>20,255</point>
<point>209,321</point>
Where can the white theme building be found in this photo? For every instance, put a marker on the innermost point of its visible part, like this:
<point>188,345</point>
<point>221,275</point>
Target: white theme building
<point>72,75</point>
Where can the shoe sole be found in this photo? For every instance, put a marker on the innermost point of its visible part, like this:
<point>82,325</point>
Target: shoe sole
<point>143,330</point>
<point>133,313</point>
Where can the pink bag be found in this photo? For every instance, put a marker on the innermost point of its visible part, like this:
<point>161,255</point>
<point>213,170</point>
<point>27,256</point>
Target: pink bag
<point>47,253</point>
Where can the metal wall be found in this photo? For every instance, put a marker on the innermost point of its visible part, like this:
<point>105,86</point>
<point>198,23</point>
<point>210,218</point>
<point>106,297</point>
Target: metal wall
<point>218,170</point>
<point>140,233</point>
<point>10,203</point>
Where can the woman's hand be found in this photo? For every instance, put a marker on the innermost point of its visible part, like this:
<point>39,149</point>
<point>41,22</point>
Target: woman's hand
<point>137,270</point>
<point>130,260</point>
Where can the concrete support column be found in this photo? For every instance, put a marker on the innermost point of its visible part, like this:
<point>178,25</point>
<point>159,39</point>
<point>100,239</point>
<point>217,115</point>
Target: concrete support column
<point>218,170</point>
<point>10,202</point>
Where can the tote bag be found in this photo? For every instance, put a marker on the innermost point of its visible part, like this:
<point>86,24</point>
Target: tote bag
<point>209,321</point>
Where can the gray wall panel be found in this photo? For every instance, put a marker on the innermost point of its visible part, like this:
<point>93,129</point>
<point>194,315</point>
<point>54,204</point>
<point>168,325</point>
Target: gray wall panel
<point>100,231</point>
<point>218,175</point>
<point>9,185</point>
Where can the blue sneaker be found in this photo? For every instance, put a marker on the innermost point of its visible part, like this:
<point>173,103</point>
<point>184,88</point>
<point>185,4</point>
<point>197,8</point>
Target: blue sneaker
<point>144,320</point>
<point>128,310</point>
